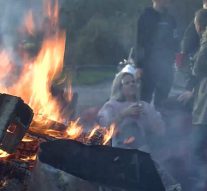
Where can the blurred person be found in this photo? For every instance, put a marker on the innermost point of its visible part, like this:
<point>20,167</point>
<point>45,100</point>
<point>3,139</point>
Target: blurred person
<point>200,100</point>
<point>189,46</point>
<point>139,125</point>
<point>191,39</point>
<point>156,48</point>
<point>199,93</point>
<point>200,24</point>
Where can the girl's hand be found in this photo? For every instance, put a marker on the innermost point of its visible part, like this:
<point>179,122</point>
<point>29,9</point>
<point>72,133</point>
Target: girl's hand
<point>133,110</point>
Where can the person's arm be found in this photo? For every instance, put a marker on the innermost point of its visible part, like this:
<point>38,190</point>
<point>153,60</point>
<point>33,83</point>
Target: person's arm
<point>110,114</point>
<point>200,66</point>
<point>190,42</point>
<point>191,83</point>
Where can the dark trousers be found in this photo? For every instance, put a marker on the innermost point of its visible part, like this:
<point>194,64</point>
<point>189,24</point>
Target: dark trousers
<point>199,140</point>
<point>158,83</point>
<point>199,157</point>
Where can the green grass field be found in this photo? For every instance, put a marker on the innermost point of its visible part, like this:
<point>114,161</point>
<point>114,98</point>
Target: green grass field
<point>86,76</point>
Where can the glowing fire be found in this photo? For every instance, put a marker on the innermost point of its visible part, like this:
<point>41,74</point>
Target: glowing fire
<point>28,158</point>
<point>107,133</point>
<point>29,23</point>
<point>37,75</point>
<point>3,154</point>
<point>74,130</point>
<point>27,139</point>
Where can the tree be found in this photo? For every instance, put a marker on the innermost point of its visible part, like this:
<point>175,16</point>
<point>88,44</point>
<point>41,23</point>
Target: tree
<point>103,31</point>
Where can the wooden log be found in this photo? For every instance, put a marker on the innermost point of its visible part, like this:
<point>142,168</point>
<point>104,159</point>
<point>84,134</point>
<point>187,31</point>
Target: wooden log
<point>15,119</point>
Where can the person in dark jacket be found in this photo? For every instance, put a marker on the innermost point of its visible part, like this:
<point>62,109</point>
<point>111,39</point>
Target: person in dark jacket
<point>189,46</point>
<point>199,92</point>
<point>156,47</point>
<point>191,39</point>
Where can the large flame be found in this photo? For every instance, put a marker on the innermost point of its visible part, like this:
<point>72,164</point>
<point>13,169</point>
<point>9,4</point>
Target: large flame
<point>33,80</point>
<point>37,75</point>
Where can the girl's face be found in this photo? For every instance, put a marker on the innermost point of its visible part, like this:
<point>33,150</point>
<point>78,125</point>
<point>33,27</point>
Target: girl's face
<point>129,87</point>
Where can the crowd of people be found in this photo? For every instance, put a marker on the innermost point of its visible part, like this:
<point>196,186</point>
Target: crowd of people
<point>138,112</point>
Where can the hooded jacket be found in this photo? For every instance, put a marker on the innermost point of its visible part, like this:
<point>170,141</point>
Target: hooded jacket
<point>156,38</point>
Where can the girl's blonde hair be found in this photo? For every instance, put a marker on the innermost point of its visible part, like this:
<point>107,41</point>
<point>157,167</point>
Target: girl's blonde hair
<point>116,92</point>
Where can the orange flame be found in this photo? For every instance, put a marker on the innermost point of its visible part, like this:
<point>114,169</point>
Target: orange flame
<point>3,154</point>
<point>52,12</point>
<point>96,128</point>
<point>29,158</point>
<point>37,76</point>
<point>74,130</point>
<point>129,140</point>
<point>29,23</point>
<point>27,139</point>
<point>109,134</point>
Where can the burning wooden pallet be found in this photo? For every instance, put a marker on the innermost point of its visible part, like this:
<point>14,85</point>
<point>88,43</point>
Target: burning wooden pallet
<point>20,154</point>
<point>15,119</point>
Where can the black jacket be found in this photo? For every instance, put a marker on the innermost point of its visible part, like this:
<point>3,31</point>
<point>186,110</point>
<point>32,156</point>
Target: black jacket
<point>156,36</point>
<point>191,40</point>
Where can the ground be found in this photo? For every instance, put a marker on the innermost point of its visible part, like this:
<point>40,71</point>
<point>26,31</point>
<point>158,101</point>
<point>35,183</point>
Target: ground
<point>93,95</point>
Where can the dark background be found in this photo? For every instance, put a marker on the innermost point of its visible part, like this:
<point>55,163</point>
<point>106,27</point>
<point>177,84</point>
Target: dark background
<point>101,32</point>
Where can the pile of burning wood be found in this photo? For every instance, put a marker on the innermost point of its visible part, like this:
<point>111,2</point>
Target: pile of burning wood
<point>20,139</point>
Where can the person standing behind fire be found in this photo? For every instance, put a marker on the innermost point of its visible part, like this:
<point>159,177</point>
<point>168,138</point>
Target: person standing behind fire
<point>191,39</point>
<point>199,92</point>
<point>200,100</point>
<point>189,46</point>
<point>156,47</point>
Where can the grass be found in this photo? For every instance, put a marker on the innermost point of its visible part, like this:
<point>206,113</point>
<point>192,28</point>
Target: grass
<point>86,76</point>
<point>91,77</point>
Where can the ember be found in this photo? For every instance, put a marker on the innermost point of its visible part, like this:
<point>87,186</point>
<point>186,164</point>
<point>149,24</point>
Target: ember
<point>16,167</point>
<point>3,154</point>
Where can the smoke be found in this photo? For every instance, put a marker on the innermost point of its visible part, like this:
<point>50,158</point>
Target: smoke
<point>13,38</point>
<point>45,177</point>
<point>179,156</point>
<point>12,14</point>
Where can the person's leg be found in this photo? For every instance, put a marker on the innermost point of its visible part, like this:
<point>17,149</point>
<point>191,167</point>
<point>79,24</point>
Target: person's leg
<point>147,87</point>
<point>163,87</point>
<point>199,146</point>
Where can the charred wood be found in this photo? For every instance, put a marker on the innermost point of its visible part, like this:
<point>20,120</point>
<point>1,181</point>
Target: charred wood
<point>119,168</point>
<point>13,176</point>
<point>15,119</point>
